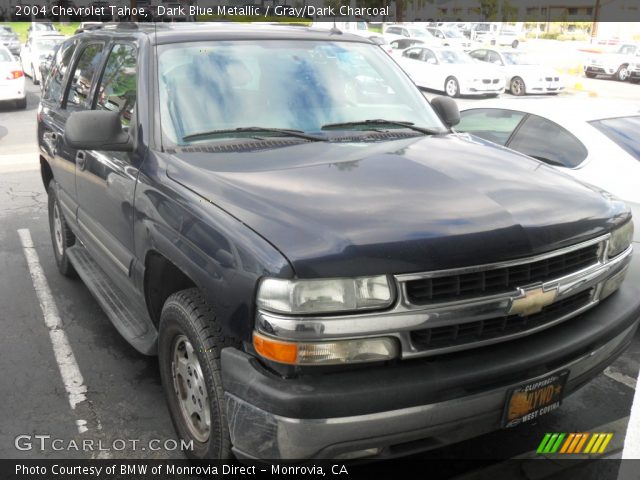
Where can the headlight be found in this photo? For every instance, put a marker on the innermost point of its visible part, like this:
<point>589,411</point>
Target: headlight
<point>326,353</point>
<point>324,296</point>
<point>620,239</point>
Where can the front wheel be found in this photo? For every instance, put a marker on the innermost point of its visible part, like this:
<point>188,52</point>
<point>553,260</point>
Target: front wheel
<point>452,87</point>
<point>623,73</point>
<point>189,346</point>
<point>61,235</point>
<point>517,87</point>
<point>589,75</point>
<point>34,77</point>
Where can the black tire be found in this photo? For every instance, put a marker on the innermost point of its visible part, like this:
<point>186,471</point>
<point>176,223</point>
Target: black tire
<point>34,77</point>
<point>589,74</point>
<point>623,73</point>
<point>515,44</point>
<point>62,238</point>
<point>452,87</point>
<point>22,103</point>
<point>187,318</point>
<point>517,87</point>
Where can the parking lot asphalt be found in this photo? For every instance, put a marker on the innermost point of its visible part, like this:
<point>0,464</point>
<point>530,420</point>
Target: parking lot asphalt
<point>124,399</point>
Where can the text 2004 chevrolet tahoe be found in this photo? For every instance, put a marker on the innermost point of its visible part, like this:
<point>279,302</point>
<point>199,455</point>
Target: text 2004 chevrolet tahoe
<point>323,266</point>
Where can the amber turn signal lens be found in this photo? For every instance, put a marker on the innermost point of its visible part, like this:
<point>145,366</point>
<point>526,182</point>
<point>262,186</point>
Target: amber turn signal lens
<point>282,352</point>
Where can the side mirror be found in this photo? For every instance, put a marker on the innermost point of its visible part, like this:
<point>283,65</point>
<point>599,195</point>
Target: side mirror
<point>447,110</point>
<point>97,130</point>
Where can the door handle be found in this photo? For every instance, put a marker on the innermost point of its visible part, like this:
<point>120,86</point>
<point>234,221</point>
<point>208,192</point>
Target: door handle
<point>81,160</point>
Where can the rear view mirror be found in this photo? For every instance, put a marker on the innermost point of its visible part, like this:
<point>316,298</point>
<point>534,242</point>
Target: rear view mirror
<point>447,110</point>
<point>97,130</point>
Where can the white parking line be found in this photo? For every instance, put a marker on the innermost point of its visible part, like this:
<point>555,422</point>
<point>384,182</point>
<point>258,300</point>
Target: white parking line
<point>632,440</point>
<point>620,377</point>
<point>66,360</point>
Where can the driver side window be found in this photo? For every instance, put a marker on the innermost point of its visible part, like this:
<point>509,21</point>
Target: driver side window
<point>82,77</point>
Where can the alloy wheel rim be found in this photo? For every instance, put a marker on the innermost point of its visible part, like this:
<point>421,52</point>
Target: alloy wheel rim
<point>623,73</point>
<point>451,88</point>
<point>517,87</point>
<point>190,389</point>
<point>57,230</point>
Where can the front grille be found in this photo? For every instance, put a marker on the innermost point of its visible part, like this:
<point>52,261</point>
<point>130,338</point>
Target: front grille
<point>552,79</point>
<point>499,280</point>
<point>494,328</point>
<point>496,80</point>
<point>486,80</point>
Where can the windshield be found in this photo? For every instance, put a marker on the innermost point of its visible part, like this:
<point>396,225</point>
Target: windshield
<point>512,58</point>
<point>453,56</point>
<point>623,131</point>
<point>297,85</point>
<point>5,56</point>
<point>626,49</point>
<point>416,32</point>
<point>44,27</point>
<point>453,34</point>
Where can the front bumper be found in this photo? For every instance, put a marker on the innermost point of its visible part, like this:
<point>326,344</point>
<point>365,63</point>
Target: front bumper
<point>416,404</point>
<point>479,88</point>
<point>600,69</point>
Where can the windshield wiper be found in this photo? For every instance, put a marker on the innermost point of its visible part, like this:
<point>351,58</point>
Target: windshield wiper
<point>280,131</point>
<point>379,122</point>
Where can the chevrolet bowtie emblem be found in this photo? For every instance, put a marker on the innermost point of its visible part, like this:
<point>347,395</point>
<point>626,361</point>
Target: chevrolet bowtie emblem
<point>533,301</point>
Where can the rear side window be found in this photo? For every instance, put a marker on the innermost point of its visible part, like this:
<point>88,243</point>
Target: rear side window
<point>493,124</point>
<point>54,88</point>
<point>549,142</point>
<point>117,89</point>
<point>623,131</point>
<point>85,70</point>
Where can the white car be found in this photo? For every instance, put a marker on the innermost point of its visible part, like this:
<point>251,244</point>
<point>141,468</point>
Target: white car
<point>38,49</point>
<point>450,71</point>
<point>522,72</point>
<point>12,84</point>
<point>596,142</point>
<point>397,32</point>
<point>451,38</point>
<point>612,64</point>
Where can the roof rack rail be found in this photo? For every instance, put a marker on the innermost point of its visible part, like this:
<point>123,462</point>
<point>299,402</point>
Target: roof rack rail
<point>121,26</point>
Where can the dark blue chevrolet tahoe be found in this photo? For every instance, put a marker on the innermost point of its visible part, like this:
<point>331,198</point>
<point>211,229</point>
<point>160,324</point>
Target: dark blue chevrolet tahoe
<point>323,266</point>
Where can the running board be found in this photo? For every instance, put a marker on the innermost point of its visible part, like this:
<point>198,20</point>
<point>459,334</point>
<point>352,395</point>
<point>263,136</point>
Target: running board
<point>131,321</point>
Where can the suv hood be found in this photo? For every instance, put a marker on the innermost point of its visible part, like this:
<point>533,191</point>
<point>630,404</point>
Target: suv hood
<point>418,204</point>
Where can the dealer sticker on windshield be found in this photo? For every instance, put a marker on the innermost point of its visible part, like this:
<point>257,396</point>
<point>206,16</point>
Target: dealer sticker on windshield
<point>532,400</point>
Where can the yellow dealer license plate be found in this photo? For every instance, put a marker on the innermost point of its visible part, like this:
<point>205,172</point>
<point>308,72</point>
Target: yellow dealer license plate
<point>532,400</point>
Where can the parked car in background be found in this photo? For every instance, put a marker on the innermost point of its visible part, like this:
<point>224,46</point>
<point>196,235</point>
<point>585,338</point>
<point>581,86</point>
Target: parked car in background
<point>613,64</point>
<point>450,38</point>
<point>9,39</point>
<point>450,71</point>
<point>523,73</point>
<point>397,32</point>
<point>12,84</point>
<point>37,50</point>
<point>495,34</point>
<point>596,141</point>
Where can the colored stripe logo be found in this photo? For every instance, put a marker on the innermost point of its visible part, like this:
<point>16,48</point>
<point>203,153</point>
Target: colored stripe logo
<point>573,443</point>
